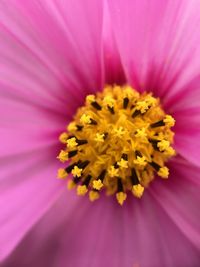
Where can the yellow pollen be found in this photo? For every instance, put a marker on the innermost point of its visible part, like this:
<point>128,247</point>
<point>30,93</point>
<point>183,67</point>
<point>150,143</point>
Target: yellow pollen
<point>170,151</point>
<point>76,171</point>
<point>93,195</point>
<point>163,172</point>
<point>141,161</point>
<point>169,120</point>
<point>141,133</point>
<point>90,98</point>
<point>121,197</point>
<point>63,138</point>
<point>85,119</point>
<point>99,137</point>
<point>138,190</point>
<point>81,190</point>
<point>119,132</point>
<point>62,173</point>
<point>112,171</point>
<point>142,106</point>
<point>118,142</point>
<point>72,127</point>
<point>123,163</point>
<point>71,184</point>
<point>63,156</point>
<point>97,184</point>
<point>108,101</point>
<point>71,143</point>
<point>163,145</point>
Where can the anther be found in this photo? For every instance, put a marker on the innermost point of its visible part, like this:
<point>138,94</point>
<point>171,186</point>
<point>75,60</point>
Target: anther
<point>79,127</point>
<point>72,153</point>
<point>125,102</point>
<point>81,142</point>
<point>87,180</point>
<point>134,177</point>
<point>96,105</point>
<point>136,113</point>
<point>93,122</point>
<point>83,165</point>
<point>102,175</point>
<point>111,109</point>
<point>121,196</point>
<point>119,185</point>
<point>157,124</point>
<point>155,165</point>
<point>70,167</point>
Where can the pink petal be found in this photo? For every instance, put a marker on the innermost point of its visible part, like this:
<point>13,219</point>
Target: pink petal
<point>187,133</point>
<point>157,41</point>
<point>28,188</point>
<point>51,49</point>
<point>161,229</point>
<point>114,73</point>
<point>179,198</point>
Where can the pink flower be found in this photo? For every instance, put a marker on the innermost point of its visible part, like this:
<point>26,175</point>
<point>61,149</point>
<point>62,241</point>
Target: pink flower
<point>53,54</point>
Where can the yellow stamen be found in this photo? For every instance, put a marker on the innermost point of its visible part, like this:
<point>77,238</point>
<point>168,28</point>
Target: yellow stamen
<point>119,132</point>
<point>170,151</point>
<point>85,119</point>
<point>72,127</point>
<point>123,163</point>
<point>71,184</point>
<point>108,101</point>
<point>63,156</point>
<point>121,197</point>
<point>163,145</point>
<point>163,172</point>
<point>141,133</point>
<point>99,137</point>
<point>62,173</point>
<point>97,184</point>
<point>142,106</point>
<point>63,138</point>
<point>90,99</point>
<point>117,143</point>
<point>138,190</point>
<point>169,120</point>
<point>77,171</point>
<point>71,143</point>
<point>81,190</point>
<point>113,172</point>
<point>93,195</point>
<point>140,161</point>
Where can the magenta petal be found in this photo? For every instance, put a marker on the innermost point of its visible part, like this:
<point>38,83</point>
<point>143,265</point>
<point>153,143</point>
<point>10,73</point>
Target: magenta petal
<point>157,41</point>
<point>141,233</point>
<point>28,188</point>
<point>114,72</point>
<point>53,46</point>
<point>179,197</point>
<point>187,133</point>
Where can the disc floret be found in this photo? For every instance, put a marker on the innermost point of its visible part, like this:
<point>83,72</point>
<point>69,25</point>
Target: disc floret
<point>117,142</point>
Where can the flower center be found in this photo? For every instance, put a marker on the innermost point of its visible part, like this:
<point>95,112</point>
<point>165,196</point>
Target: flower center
<point>117,142</point>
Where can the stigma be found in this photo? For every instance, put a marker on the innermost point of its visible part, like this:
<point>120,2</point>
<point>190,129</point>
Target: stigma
<point>118,142</point>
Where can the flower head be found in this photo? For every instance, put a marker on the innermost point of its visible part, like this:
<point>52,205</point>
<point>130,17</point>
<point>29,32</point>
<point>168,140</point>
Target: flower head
<point>136,65</point>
